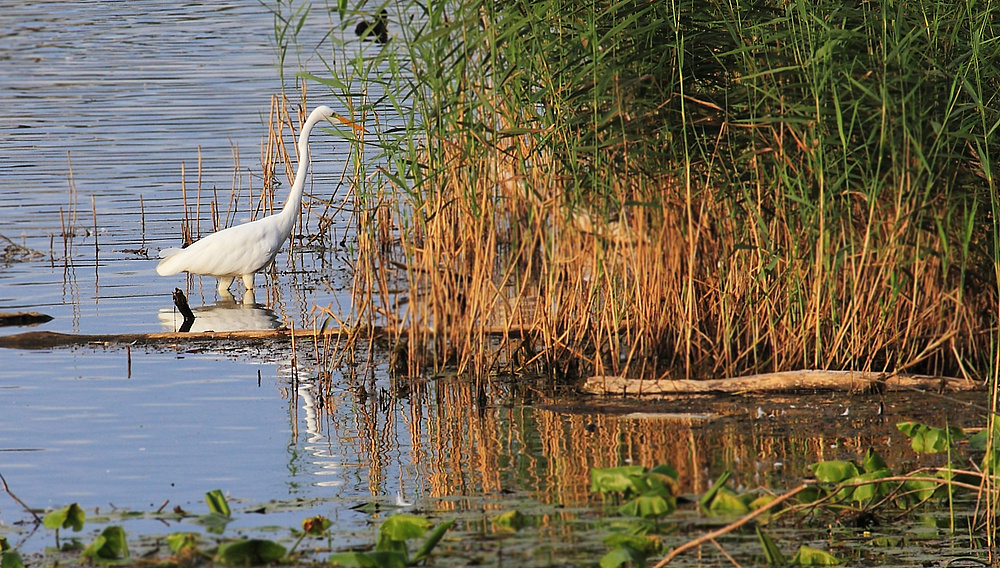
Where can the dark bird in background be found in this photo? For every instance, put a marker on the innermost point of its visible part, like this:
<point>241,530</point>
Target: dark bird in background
<point>377,29</point>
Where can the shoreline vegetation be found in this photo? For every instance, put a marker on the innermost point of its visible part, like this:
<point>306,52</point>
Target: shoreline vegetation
<point>680,190</point>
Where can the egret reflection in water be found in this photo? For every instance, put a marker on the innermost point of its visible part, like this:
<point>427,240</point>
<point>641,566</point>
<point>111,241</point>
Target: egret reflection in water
<point>224,315</point>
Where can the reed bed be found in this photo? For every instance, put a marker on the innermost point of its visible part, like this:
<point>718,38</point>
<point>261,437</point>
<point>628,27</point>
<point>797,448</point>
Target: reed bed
<point>679,189</point>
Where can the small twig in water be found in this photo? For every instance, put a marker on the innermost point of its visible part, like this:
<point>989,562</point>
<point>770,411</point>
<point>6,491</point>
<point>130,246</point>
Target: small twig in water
<point>728,528</point>
<point>180,300</point>
<point>726,554</point>
<point>14,497</point>
<point>97,253</point>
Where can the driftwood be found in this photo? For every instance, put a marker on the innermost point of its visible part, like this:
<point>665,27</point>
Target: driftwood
<point>51,339</point>
<point>789,381</point>
<point>23,318</point>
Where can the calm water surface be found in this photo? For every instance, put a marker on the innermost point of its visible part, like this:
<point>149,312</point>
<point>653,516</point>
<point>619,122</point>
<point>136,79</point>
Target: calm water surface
<point>102,103</point>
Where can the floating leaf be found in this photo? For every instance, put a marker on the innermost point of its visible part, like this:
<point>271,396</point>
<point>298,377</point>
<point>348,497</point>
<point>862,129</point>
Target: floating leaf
<point>646,544</point>
<point>761,501</point>
<point>11,559</point>
<point>807,556</point>
<point>648,506</point>
<point>398,529</point>
<point>378,559</point>
<point>180,541</point>
<point>873,461</point>
<point>511,520</point>
<point>834,471</point>
<point>615,479</point>
<point>978,440</point>
<point>871,489</point>
<point>249,552</point>
<point>923,490</point>
<point>214,521</point>
<point>727,503</point>
<point>109,545</point>
<point>811,494</point>
<point>217,503</point>
<point>371,507</point>
<point>771,550</point>
<point>928,439</point>
<point>909,428</point>
<point>621,556</point>
<point>70,516</point>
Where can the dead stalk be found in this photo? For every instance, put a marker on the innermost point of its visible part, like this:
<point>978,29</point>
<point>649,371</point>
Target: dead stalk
<point>728,528</point>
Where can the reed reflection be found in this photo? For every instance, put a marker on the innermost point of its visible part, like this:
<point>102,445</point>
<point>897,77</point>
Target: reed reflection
<point>466,445</point>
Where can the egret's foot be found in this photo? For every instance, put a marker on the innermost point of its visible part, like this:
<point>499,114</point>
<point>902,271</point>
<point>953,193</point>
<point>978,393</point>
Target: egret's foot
<point>248,281</point>
<point>224,283</point>
<point>249,298</point>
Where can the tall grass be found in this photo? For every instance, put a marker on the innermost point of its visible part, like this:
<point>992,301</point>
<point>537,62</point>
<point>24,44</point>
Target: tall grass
<point>680,189</point>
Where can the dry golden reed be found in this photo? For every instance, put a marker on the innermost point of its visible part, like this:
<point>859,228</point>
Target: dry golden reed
<point>577,203</point>
<point>506,276</point>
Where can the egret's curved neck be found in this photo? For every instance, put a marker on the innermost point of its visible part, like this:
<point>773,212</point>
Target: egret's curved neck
<point>294,202</point>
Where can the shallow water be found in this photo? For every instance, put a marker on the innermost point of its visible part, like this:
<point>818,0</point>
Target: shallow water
<point>109,100</point>
<point>102,106</point>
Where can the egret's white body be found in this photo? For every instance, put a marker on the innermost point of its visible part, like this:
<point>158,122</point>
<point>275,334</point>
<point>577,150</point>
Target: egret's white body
<point>242,250</point>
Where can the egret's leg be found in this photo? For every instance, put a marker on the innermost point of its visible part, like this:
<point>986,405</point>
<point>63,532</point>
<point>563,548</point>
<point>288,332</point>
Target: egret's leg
<point>224,283</point>
<point>249,298</point>
<point>248,280</point>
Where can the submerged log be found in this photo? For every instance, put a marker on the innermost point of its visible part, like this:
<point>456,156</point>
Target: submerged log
<point>789,381</point>
<point>23,318</point>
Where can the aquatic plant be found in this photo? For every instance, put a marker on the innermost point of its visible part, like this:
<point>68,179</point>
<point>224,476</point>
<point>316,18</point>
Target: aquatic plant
<point>391,549</point>
<point>842,491</point>
<point>642,514</point>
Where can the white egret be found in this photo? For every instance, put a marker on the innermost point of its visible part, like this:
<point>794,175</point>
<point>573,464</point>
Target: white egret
<point>244,249</point>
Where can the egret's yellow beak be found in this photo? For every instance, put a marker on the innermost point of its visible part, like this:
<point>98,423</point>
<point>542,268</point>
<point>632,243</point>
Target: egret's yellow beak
<point>357,127</point>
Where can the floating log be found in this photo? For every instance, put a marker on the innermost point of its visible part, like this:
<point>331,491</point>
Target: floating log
<point>23,318</point>
<point>789,381</point>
